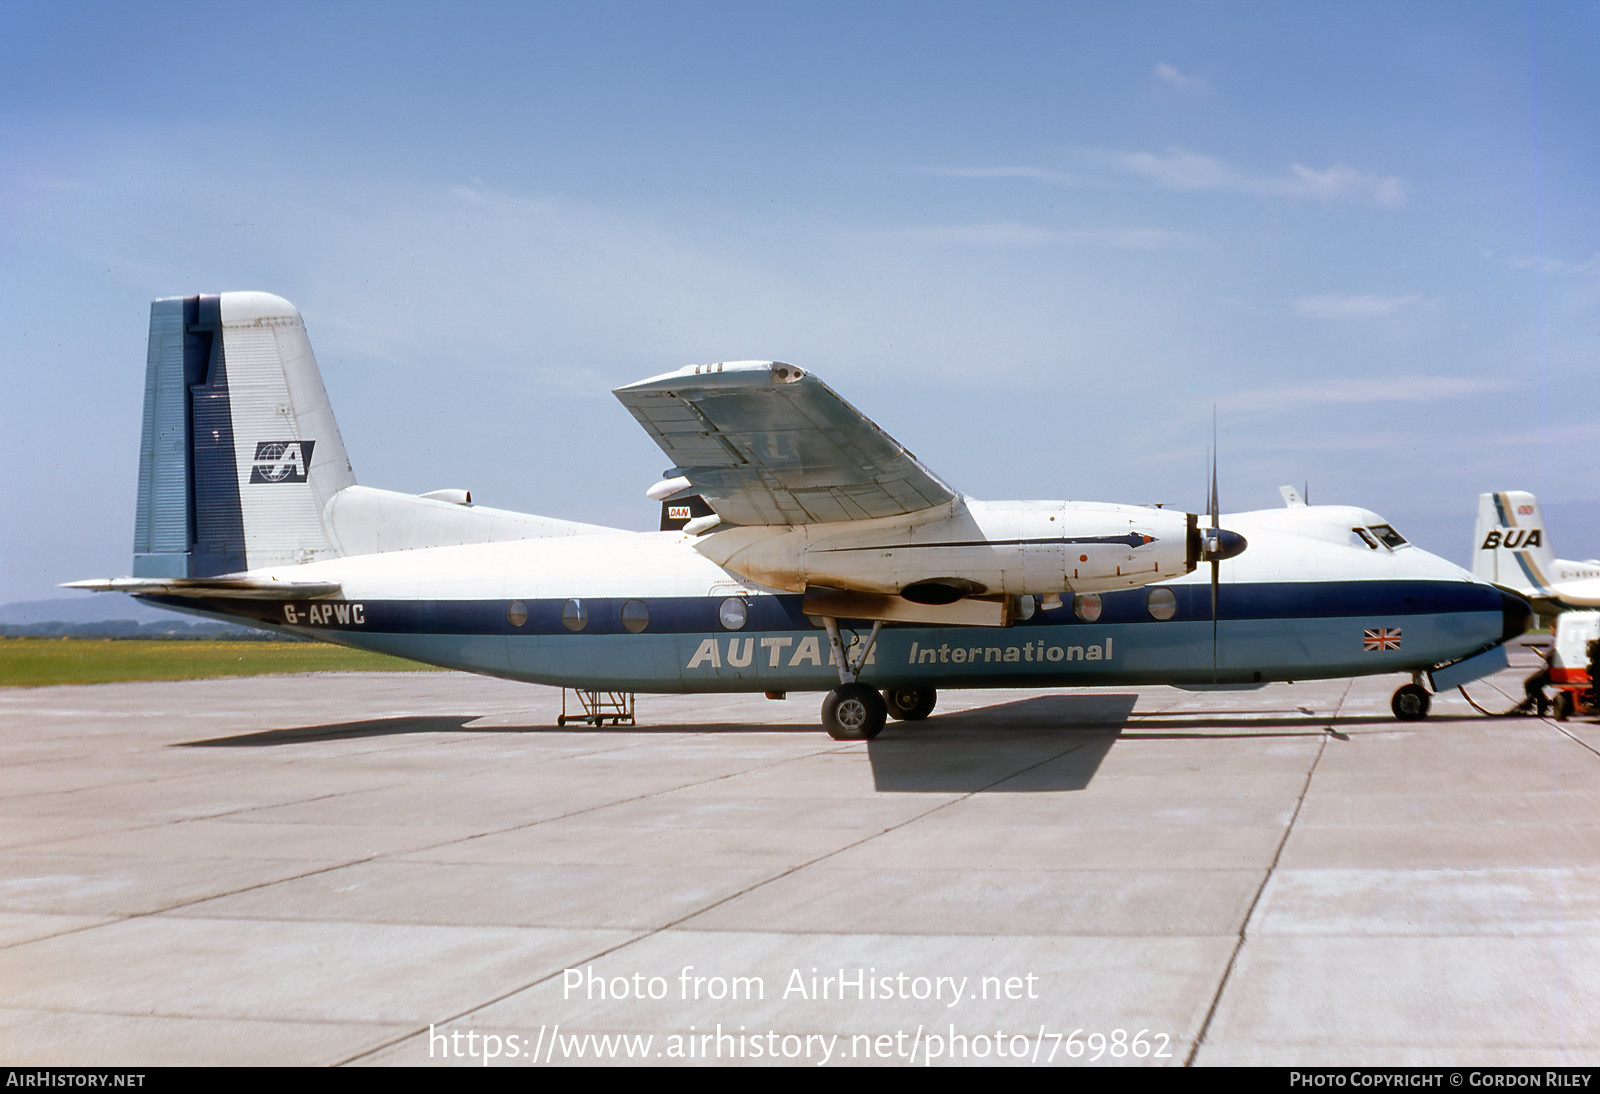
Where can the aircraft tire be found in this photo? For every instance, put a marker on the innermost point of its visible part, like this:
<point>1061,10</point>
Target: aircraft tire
<point>853,712</point>
<point>1410,703</point>
<point>910,704</point>
<point>1564,706</point>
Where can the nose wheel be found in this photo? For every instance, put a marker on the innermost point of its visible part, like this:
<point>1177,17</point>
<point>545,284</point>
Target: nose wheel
<point>1410,703</point>
<point>853,712</point>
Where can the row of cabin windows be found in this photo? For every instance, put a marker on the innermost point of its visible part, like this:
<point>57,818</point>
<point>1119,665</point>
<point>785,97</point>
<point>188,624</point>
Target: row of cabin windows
<point>734,612</point>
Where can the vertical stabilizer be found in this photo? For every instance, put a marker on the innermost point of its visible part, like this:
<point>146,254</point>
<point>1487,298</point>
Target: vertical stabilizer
<point>1510,545</point>
<point>240,453</point>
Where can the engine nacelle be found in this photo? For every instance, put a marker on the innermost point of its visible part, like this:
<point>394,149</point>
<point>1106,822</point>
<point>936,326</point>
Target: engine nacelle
<point>974,549</point>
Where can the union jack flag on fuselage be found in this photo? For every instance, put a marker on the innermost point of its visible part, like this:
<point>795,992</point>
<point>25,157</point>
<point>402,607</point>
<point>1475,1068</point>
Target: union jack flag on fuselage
<point>1380,638</point>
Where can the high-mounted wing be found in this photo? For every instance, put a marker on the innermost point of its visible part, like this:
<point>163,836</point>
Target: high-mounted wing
<point>767,444</point>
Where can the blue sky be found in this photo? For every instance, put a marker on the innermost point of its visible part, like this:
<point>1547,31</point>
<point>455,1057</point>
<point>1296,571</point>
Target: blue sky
<point>1036,242</point>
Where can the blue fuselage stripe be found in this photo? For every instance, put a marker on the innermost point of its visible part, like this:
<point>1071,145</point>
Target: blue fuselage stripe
<point>699,614</point>
<point>1269,631</point>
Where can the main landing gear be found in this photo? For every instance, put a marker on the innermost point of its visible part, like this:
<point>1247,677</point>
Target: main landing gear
<point>854,711</point>
<point>910,704</point>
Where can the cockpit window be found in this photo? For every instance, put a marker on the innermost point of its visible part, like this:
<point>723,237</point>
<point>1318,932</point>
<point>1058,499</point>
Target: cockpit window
<point>1388,536</point>
<point>1366,537</point>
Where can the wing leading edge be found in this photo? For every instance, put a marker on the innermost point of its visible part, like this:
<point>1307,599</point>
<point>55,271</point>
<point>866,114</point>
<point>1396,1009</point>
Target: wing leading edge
<point>765,443</point>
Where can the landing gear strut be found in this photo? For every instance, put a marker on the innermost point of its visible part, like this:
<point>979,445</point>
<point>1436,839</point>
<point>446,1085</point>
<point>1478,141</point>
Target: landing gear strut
<point>852,711</point>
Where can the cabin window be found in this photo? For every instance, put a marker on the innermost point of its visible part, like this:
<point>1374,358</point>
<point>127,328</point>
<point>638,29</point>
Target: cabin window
<point>1026,605</point>
<point>574,616</point>
<point>1161,602</point>
<point>516,613</point>
<point>1366,537</point>
<point>635,616</point>
<point>1390,538</point>
<point>733,613</point>
<point>1087,606</point>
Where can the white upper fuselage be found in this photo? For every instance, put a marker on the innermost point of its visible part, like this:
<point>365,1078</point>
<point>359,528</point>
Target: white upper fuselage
<point>1302,544</point>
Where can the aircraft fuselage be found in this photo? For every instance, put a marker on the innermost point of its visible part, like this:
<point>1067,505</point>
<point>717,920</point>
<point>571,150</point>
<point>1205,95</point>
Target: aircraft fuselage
<point>647,612</point>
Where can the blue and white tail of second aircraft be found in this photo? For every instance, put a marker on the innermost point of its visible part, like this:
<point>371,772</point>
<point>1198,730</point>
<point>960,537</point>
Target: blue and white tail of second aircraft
<point>1512,549</point>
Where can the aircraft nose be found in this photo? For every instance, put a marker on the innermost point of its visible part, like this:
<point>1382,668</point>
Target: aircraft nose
<point>1517,615</point>
<point>1219,543</point>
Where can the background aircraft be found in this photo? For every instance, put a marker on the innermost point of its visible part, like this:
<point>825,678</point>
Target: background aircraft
<point>832,560</point>
<point>1512,549</point>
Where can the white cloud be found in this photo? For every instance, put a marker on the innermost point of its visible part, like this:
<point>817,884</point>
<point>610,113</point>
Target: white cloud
<point>1004,233</point>
<point>1338,183</point>
<point>1178,170</point>
<point>1330,306</point>
<point>1557,265</point>
<point>1008,233</point>
<point>1578,433</point>
<point>1363,389</point>
<point>998,173</point>
<point>1188,85</point>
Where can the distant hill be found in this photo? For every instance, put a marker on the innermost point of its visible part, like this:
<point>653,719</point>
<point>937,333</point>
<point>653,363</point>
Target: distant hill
<point>85,608</point>
<point>109,615</point>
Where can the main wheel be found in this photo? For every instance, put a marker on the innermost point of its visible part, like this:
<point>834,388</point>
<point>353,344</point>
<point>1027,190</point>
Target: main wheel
<point>910,704</point>
<point>853,712</point>
<point>1410,703</point>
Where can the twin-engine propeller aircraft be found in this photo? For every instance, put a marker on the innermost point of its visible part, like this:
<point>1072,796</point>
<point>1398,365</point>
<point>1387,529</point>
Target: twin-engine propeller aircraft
<point>815,553</point>
<point>1512,549</point>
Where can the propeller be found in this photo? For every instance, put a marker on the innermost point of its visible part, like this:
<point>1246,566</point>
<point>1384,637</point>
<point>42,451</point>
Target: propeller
<point>1217,543</point>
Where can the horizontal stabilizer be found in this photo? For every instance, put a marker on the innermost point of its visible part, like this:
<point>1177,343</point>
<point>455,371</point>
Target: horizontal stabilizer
<point>248,588</point>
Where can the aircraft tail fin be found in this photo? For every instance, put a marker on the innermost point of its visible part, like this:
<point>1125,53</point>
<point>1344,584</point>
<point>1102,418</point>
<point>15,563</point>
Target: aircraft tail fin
<point>240,452</point>
<point>680,511</point>
<point>1510,545</point>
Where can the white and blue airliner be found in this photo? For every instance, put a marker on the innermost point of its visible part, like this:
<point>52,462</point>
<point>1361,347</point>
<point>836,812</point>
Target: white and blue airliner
<point>810,552</point>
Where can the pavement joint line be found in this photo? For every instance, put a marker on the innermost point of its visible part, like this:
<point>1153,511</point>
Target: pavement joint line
<point>651,933</point>
<point>390,854</point>
<point>1567,733</point>
<point>1266,878</point>
<point>1559,727</point>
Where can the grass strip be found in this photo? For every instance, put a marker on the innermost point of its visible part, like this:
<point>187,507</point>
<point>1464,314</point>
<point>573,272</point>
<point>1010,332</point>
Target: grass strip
<point>39,662</point>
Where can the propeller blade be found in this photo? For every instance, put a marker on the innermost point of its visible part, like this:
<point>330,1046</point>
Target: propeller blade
<point>1215,567</point>
<point>1216,507</point>
<point>1214,543</point>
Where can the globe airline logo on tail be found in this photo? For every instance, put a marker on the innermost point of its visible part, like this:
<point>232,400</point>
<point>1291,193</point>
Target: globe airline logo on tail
<point>281,461</point>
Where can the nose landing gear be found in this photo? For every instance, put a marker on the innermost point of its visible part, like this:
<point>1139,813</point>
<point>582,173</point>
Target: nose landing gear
<point>1410,703</point>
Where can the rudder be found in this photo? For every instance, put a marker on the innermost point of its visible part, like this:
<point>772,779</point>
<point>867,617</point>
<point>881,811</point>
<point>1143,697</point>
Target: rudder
<point>1510,545</point>
<point>240,452</point>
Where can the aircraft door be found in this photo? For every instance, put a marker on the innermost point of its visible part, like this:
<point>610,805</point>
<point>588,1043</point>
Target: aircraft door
<point>731,651</point>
